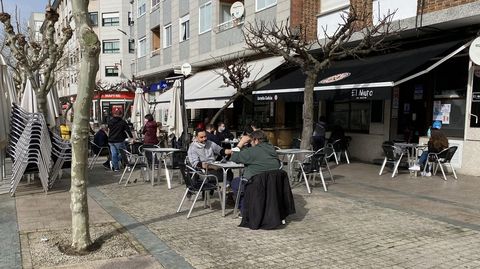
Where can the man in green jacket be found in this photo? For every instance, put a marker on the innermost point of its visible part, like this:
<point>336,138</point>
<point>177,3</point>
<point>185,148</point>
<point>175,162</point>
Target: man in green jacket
<point>260,157</point>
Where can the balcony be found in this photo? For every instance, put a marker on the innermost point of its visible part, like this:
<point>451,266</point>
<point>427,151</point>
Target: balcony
<point>229,24</point>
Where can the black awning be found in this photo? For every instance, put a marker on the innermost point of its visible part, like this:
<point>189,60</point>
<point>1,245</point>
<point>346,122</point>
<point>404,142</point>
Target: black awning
<point>359,74</point>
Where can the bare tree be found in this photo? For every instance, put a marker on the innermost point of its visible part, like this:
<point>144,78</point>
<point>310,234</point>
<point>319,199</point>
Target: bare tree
<point>292,43</point>
<point>235,73</point>
<point>90,47</point>
<point>35,58</point>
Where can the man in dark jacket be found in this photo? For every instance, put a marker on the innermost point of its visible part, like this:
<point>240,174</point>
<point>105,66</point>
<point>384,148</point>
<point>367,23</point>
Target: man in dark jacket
<point>118,131</point>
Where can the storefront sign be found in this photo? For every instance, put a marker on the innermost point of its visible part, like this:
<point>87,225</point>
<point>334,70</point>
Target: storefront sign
<point>475,97</point>
<point>362,94</point>
<point>266,97</point>
<point>396,98</point>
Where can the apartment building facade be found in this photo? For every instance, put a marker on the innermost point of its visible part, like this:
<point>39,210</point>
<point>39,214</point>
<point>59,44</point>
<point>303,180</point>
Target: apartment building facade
<point>110,19</point>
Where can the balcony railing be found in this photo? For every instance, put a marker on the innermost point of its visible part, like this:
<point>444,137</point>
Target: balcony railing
<point>229,24</point>
<point>155,52</point>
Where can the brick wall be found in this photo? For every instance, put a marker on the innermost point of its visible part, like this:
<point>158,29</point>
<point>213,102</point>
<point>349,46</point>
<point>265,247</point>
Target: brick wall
<point>364,11</point>
<point>435,5</point>
<point>304,13</point>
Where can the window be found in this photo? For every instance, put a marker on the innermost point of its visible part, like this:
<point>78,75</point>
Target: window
<point>225,15</point>
<point>167,34</point>
<point>205,17</point>
<point>263,4</point>
<point>111,46</point>
<point>142,47</point>
<point>131,46</point>
<point>142,8</point>
<point>156,38</point>
<point>155,3</point>
<point>184,28</point>
<point>328,5</point>
<point>93,18</point>
<point>111,71</point>
<point>351,116</point>
<point>110,19</point>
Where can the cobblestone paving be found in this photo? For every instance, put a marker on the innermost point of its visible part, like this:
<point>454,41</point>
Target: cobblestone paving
<point>328,231</point>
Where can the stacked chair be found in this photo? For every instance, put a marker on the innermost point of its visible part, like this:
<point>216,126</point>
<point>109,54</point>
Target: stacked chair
<point>34,149</point>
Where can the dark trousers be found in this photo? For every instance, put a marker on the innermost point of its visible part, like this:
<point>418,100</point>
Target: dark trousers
<point>318,142</point>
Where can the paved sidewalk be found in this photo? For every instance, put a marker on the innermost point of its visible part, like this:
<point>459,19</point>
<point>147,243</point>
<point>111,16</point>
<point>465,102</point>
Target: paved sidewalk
<point>363,221</point>
<point>9,240</point>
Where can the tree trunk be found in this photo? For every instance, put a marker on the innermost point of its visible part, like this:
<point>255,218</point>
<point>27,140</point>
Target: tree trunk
<point>308,109</point>
<point>42,103</point>
<point>90,47</point>
<point>219,112</point>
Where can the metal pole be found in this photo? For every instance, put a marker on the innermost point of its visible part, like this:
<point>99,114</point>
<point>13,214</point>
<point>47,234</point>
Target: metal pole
<point>184,114</point>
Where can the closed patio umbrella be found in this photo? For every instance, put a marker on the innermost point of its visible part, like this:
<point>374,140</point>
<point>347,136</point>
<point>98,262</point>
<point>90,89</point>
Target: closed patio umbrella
<point>29,98</point>
<point>7,96</point>
<point>140,109</point>
<point>53,106</point>
<point>174,121</point>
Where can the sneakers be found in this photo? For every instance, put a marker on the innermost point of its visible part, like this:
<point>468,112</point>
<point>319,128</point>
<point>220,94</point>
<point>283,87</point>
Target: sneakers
<point>426,174</point>
<point>106,166</point>
<point>414,167</point>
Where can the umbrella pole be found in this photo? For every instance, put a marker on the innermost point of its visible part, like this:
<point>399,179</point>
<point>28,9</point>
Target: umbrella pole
<point>184,115</point>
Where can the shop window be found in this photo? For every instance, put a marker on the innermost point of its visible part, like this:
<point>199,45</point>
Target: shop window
<point>351,116</point>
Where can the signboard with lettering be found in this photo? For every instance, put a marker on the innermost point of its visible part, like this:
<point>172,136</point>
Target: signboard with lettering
<point>339,95</point>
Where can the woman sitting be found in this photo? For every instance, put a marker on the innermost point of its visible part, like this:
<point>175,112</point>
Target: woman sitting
<point>438,142</point>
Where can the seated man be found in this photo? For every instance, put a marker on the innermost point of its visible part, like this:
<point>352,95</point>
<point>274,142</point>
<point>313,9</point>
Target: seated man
<point>203,151</point>
<point>260,157</point>
<point>211,134</point>
<point>101,140</point>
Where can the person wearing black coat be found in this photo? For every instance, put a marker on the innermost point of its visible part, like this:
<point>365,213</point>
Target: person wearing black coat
<point>268,200</point>
<point>118,131</point>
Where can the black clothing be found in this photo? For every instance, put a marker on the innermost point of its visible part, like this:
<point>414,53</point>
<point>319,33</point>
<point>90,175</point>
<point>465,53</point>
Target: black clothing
<point>118,130</point>
<point>222,135</point>
<point>213,138</point>
<point>268,200</point>
<point>100,139</point>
